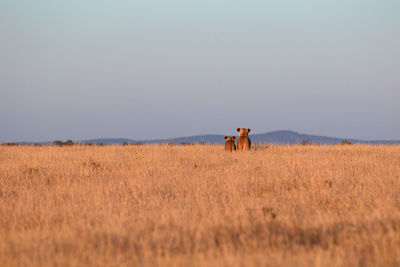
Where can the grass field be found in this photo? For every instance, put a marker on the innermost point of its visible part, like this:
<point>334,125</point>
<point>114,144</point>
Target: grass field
<point>162,205</point>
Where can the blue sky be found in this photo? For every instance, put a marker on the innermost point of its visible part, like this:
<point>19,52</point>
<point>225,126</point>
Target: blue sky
<point>152,69</point>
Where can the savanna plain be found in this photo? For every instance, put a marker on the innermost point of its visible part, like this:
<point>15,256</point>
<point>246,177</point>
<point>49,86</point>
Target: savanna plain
<point>196,205</point>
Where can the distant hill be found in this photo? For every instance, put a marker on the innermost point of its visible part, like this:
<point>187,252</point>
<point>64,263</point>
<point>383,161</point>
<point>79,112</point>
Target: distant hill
<point>276,137</point>
<point>291,137</point>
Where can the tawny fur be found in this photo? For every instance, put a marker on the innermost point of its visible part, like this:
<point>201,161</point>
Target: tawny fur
<point>243,142</point>
<point>230,143</point>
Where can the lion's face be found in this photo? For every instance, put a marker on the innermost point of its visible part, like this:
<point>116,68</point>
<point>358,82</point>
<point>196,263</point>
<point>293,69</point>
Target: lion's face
<point>243,131</point>
<point>230,138</point>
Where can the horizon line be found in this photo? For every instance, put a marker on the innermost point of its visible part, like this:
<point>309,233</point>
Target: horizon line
<point>198,135</point>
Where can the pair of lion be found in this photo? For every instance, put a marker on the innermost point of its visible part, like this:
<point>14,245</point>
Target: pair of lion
<point>243,142</point>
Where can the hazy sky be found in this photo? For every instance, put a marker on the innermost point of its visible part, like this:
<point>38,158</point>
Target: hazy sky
<point>150,69</point>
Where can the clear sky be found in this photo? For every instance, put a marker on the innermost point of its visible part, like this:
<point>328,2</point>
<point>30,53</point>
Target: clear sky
<point>151,69</point>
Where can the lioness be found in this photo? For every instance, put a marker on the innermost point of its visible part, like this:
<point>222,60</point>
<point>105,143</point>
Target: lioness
<point>243,142</point>
<point>230,143</point>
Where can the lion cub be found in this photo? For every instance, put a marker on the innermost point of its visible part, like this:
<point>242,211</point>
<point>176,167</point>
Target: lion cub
<point>230,143</point>
<point>243,142</point>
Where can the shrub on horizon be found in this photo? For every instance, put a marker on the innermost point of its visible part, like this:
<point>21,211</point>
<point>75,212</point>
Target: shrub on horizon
<point>305,143</point>
<point>137,144</point>
<point>58,143</point>
<point>346,142</point>
<point>10,144</point>
<point>69,143</point>
<point>186,144</point>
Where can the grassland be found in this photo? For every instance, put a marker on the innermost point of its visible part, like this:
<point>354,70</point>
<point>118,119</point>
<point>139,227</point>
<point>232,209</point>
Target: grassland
<point>197,205</point>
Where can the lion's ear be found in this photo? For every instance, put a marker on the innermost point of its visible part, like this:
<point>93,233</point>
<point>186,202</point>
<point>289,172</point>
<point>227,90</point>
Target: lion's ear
<point>233,137</point>
<point>248,130</point>
<point>225,137</point>
<point>238,129</point>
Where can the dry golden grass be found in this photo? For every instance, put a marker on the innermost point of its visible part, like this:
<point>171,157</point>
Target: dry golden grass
<point>200,206</point>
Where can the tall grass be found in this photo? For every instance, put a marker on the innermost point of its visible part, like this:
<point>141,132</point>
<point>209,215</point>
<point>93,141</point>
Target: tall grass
<point>161,205</point>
